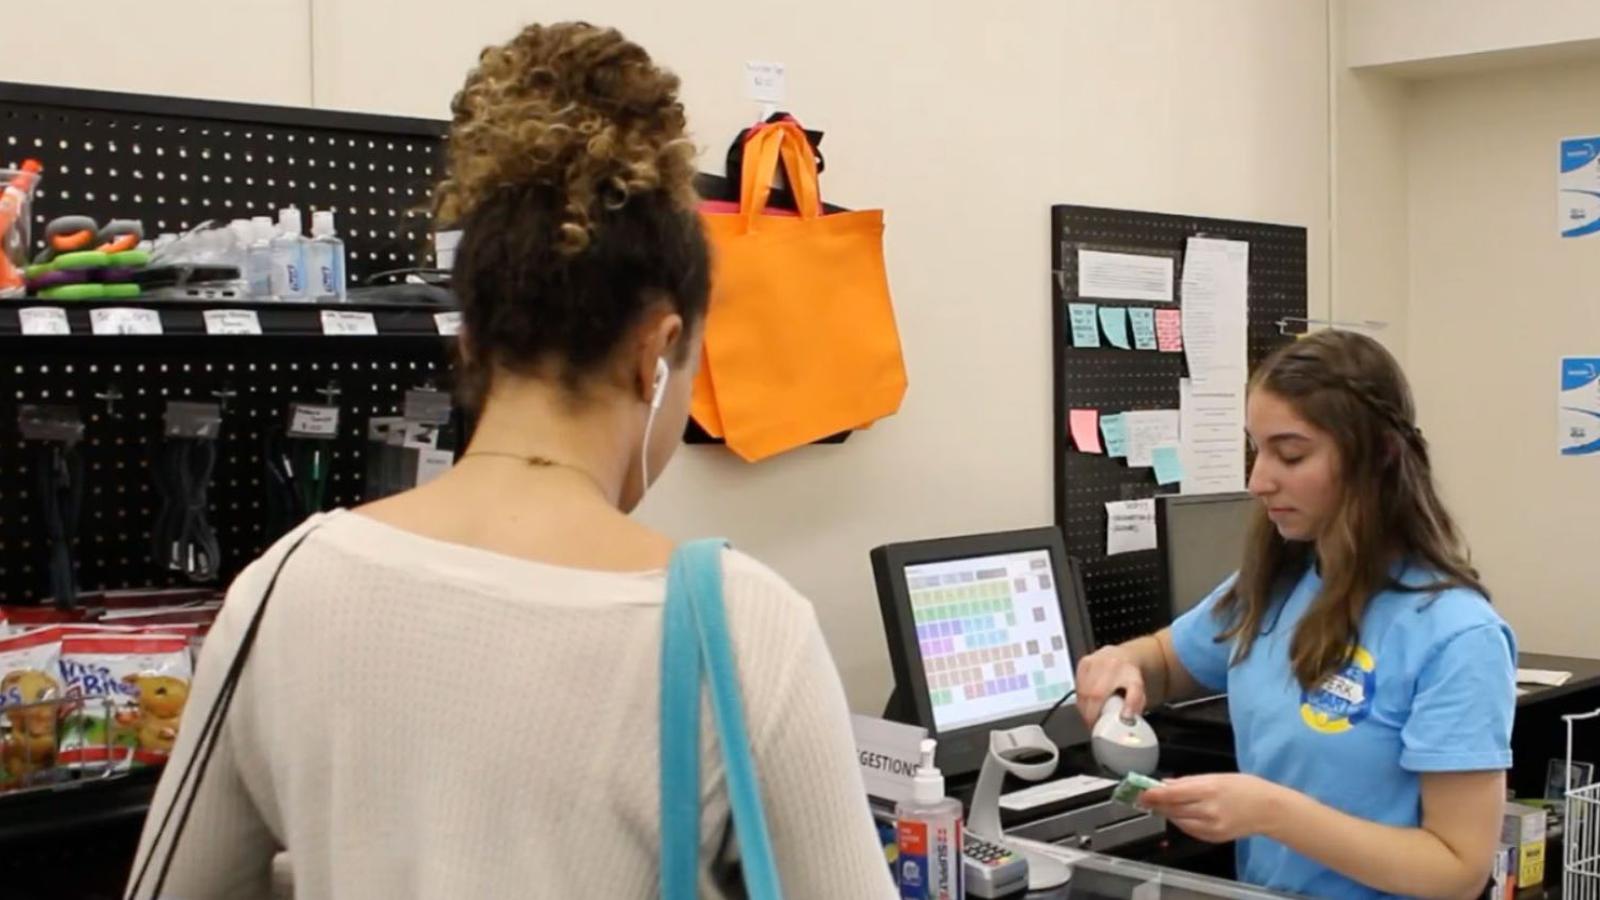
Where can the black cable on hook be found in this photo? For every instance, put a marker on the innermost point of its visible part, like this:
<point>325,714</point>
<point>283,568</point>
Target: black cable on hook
<point>60,477</point>
<point>184,539</point>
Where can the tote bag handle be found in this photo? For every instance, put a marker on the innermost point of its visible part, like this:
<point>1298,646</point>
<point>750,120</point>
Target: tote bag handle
<point>695,634</point>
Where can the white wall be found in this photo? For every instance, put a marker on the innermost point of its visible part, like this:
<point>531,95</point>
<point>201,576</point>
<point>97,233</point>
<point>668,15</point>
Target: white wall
<point>254,51</point>
<point>1404,32</point>
<point>964,122</point>
<point>1496,298</point>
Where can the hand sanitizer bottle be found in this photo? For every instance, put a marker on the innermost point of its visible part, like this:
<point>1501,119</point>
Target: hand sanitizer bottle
<point>928,828</point>
<point>325,259</point>
<point>258,258</point>
<point>289,257</point>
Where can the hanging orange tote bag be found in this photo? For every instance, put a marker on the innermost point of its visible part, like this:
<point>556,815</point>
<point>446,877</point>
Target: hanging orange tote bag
<point>800,338</point>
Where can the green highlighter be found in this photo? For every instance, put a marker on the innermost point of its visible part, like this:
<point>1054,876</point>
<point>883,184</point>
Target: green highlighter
<point>1132,785</point>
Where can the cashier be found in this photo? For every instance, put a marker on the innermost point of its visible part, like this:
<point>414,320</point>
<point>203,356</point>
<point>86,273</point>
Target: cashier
<point>1370,682</point>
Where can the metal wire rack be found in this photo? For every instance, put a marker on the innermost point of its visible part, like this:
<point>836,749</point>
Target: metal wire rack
<point>27,767</point>
<point>1581,880</point>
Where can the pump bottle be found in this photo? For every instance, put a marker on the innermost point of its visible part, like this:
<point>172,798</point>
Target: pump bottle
<point>928,828</point>
<point>325,259</point>
<point>289,257</point>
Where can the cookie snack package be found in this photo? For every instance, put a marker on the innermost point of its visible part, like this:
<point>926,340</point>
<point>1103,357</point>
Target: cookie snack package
<point>128,692</point>
<point>29,681</point>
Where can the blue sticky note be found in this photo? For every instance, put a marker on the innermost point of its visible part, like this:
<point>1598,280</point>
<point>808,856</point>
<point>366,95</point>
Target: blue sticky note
<point>1144,327</point>
<point>1114,320</point>
<point>1085,326</point>
<point>1115,431</point>
<point>1169,468</point>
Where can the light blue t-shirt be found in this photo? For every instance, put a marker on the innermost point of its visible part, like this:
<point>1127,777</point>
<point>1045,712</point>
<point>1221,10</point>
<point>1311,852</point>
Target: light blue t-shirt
<point>1432,688</point>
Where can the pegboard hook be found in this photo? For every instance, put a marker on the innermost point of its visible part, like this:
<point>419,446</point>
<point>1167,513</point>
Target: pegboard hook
<point>110,396</point>
<point>223,396</point>
<point>330,394</point>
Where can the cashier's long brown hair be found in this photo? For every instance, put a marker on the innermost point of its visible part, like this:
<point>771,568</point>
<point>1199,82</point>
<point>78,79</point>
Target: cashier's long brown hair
<point>1348,386</point>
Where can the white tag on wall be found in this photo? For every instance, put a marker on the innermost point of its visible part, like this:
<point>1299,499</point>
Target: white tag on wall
<point>43,320</point>
<point>449,323</point>
<point>232,321</point>
<point>764,81</point>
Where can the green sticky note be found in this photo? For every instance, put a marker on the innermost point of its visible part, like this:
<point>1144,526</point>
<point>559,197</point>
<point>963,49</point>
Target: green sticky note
<point>1114,321</point>
<point>1115,431</point>
<point>1085,325</point>
<point>1169,468</point>
<point>1144,327</point>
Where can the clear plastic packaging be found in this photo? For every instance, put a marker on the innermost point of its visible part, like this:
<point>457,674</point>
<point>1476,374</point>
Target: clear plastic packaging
<point>16,232</point>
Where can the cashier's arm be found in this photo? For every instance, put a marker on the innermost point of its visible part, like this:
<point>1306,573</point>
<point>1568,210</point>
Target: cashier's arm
<point>1146,669</point>
<point>1449,856</point>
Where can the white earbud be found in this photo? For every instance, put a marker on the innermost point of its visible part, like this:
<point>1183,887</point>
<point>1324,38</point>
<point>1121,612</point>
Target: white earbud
<point>658,393</point>
<point>658,390</point>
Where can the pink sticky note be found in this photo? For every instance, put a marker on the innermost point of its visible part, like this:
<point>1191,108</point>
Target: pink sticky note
<point>1085,426</point>
<point>1169,330</point>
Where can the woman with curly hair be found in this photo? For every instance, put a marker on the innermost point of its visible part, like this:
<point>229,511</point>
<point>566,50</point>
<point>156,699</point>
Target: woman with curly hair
<point>454,692</point>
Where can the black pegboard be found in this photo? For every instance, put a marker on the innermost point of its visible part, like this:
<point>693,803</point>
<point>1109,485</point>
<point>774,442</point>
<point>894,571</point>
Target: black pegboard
<point>1124,592</point>
<point>263,375</point>
<point>173,163</point>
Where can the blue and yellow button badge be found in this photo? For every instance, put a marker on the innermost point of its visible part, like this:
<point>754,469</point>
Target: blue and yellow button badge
<point>1344,698</point>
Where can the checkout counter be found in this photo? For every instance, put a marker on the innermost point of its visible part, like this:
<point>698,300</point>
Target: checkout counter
<point>984,634</point>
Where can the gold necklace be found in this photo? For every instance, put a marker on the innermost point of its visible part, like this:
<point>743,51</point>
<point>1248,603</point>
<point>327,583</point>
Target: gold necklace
<point>540,462</point>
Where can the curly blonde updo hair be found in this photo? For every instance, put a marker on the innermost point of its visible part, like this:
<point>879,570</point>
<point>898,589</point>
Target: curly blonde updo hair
<point>572,179</point>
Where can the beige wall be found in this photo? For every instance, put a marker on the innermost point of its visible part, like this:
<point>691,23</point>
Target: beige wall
<point>1496,299</point>
<point>1370,257</point>
<point>965,123</point>
<point>255,51</point>
<point>1403,32</point>
<point>965,126</point>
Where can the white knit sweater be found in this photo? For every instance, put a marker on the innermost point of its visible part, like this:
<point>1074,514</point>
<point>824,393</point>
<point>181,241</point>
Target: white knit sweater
<point>424,719</point>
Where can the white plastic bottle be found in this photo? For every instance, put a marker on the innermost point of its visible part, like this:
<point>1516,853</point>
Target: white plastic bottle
<point>258,258</point>
<point>325,259</point>
<point>289,257</point>
<point>928,828</point>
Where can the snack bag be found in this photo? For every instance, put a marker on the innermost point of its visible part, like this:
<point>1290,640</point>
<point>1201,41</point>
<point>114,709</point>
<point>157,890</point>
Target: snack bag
<point>28,675</point>
<point>132,689</point>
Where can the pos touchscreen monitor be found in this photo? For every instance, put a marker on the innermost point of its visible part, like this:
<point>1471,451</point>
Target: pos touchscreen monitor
<point>985,631</point>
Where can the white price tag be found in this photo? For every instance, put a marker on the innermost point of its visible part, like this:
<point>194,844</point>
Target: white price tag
<point>341,323</point>
<point>232,321</point>
<point>309,420</point>
<point>449,323</point>
<point>43,320</point>
<point>763,81</point>
<point>124,320</point>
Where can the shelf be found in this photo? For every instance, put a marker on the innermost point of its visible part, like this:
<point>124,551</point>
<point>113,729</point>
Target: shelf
<point>272,318</point>
<point>32,815</point>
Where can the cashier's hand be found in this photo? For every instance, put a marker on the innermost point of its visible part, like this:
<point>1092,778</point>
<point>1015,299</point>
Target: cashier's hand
<point>1103,673</point>
<point>1217,808</point>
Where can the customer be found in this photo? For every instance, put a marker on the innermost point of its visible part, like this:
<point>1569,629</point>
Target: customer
<point>1371,684</point>
<point>454,691</point>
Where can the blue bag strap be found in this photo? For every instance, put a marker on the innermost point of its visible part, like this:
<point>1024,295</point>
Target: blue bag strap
<point>680,740</point>
<point>695,582</point>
